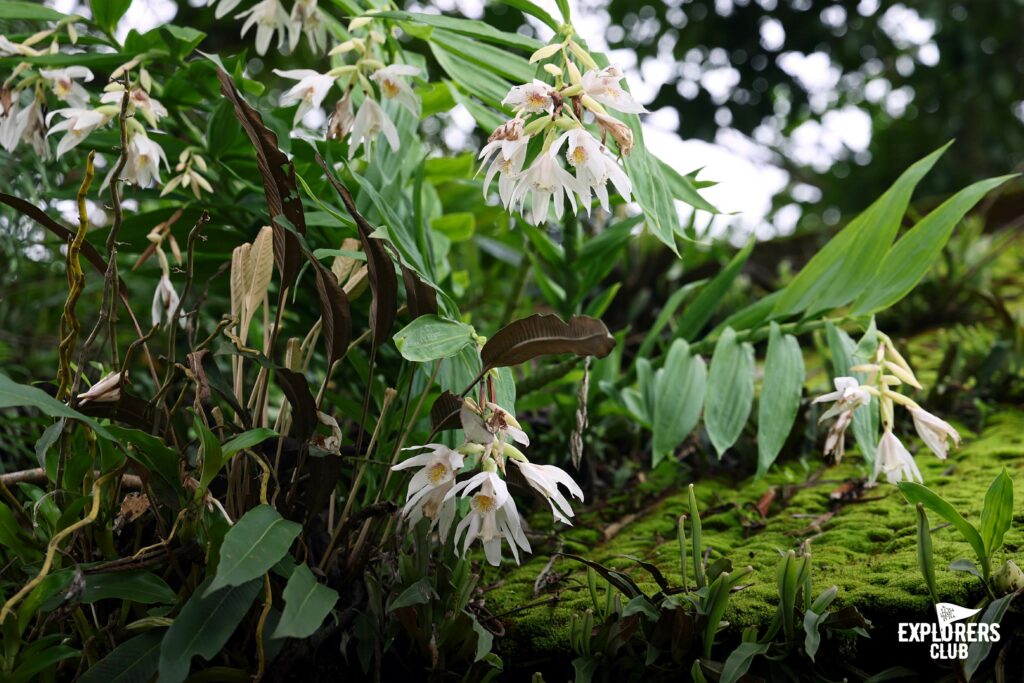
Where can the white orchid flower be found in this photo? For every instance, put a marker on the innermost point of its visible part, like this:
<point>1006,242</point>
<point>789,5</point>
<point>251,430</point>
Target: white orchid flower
<point>306,19</point>
<point>428,488</point>
<point>545,479</point>
<point>165,301</point>
<point>139,100</point>
<point>77,123</point>
<point>506,152</point>
<point>340,123</point>
<point>142,166</point>
<point>543,181</point>
<point>848,396</point>
<point>309,92</point>
<point>895,461</point>
<point>370,120</point>
<point>603,86</point>
<point>63,82</point>
<point>531,97</point>
<point>492,515</point>
<point>935,432</point>
<point>393,87</point>
<point>224,7</point>
<point>268,16</point>
<point>594,167</point>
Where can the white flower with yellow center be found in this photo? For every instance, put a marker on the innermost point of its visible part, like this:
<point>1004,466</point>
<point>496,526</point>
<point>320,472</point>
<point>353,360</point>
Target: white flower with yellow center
<point>308,93</point>
<point>369,121</point>
<point>268,16</point>
<point>492,516</point>
<point>506,152</point>
<point>594,167</point>
<point>532,97</point>
<point>63,82</point>
<point>543,181</point>
<point>138,101</point>
<point>603,86</point>
<point>77,124</point>
<point>142,167</point>
<point>895,461</point>
<point>392,86</point>
<point>490,426</point>
<point>935,432</point>
<point>848,396</point>
<point>425,496</point>
<point>305,18</point>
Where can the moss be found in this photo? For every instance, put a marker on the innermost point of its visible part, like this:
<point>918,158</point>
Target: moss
<point>867,548</point>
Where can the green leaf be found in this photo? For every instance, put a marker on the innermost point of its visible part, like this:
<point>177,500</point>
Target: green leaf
<point>978,650</point>
<point>151,453</point>
<point>533,10</point>
<point>679,396</point>
<point>730,392</point>
<point>212,457</point>
<point>133,661</point>
<point>484,639</point>
<point>11,536</point>
<point>780,395</point>
<point>203,627</point>
<point>846,265</point>
<point>248,439</point>
<point>431,337</point>
<point>997,514</point>
<point>467,27</point>
<point>306,604</point>
<point>106,13</point>
<point>912,256</point>
<point>252,546</point>
<point>650,188</point>
<point>418,593</point>
<point>925,558</point>
<point>14,395</point>
<point>494,59</point>
<point>141,587</point>
<point>697,314</point>
<point>666,313</point>
<point>916,493</point>
<point>28,11</point>
<point>35,661</point>
<point>457,226</point>
<point>683,189</point>
<point>739,661</point>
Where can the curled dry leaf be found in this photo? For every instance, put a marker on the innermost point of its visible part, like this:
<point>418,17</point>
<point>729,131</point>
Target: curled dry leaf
<point>444,414</point>
<point>334,310</point>
<point>258,271</point>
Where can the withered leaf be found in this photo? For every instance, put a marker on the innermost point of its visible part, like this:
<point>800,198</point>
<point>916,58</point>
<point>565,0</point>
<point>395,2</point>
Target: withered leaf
<point>381,271</point>
<point>296,390</point>
<point>544,335</point>
<point>279,183</point>
<point>444,414</point>
<point>334,310</point>
<point>421,297</point>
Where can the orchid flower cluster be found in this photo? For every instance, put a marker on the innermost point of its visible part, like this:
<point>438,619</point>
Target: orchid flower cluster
<point>270,17</point>
<point>887,371</point>
<point>25,116</point>
<point>433,491</point>
<point>558,115</point>
<point>361,126</point>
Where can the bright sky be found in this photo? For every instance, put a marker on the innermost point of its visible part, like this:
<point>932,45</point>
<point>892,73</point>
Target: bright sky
<point>744,167</point>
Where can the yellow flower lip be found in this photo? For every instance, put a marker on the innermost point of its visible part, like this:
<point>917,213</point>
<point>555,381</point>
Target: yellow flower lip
<point>483,503</point>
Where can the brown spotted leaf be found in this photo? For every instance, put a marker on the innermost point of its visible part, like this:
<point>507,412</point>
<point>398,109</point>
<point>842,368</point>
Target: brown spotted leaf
<point>545,335</point>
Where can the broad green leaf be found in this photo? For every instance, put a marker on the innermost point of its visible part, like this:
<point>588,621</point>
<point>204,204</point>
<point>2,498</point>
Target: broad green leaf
<point>28,11</point>
<point>740,659</point>
<point>780,395</point>
<point>203,627</point>
<point>418,593</point>
<point>730,393</point>
<point>467,27</point>
<point>35,661</point>
<point>14,395</point>
<point>650,187</point>
<point>475,80</point>
<point>306,604</point>
<point>11,535</point>
<point>679,396</point>
<point>846,265</point>
<point>697,314</point>
<point>665,314</point>
<point>912,256</point>
<point>978,650</point>
<point>431,337</point>
<point>133,661</point>
<point>107,13</point>
<point>916,493</point>
<point>252,546</point>
<point>494,59</point>
<point>150,452</point>
<point>997,514</point>
<point>457,226</point>
<point>484,639</point>
<point>925,558</point>
<point>138,586</point>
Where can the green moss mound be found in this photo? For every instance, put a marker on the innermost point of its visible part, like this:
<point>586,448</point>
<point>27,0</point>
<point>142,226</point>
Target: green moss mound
<point>867,547</point>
